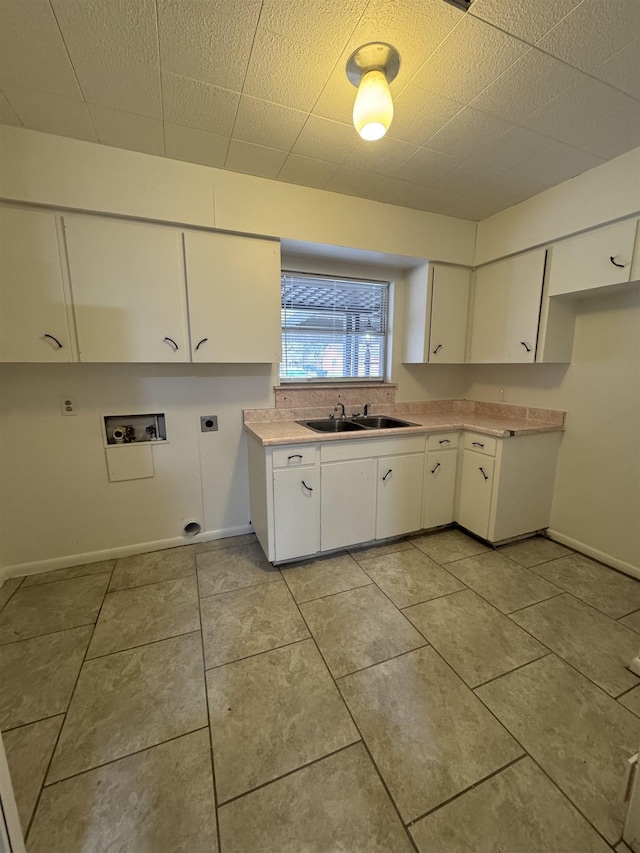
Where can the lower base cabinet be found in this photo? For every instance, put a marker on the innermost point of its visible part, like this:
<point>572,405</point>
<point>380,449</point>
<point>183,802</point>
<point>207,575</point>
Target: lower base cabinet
<point>347,503</point>
<point>399,495</point>
<point>296,506</point>
<point>440,476</point>
<point>476,485</point>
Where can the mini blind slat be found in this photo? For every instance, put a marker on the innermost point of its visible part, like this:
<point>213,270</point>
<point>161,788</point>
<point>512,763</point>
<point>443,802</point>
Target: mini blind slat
<point>333,328</point>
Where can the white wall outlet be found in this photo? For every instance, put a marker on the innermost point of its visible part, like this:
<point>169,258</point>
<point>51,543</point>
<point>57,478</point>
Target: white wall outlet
<point>68,406</point>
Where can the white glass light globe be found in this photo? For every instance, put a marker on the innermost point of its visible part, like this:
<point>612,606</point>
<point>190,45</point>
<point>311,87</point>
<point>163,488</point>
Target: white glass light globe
<point>373,107</point>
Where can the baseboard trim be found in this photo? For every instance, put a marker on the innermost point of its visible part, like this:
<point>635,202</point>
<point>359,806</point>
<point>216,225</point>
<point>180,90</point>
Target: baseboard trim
<point>589,551</point>
<point>38,566</point>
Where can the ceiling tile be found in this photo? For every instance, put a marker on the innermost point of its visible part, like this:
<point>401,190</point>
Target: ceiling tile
<point>254,159</point>
<point>192,103</point>
<point>50,113</point>
<point>326,140</point>
<point>407,194</point>
<point>113,45</point>
<point>307,171</point>
<point>622,70</point>
<point>32,52</point>
<point>530,82</point>
<point>296,47</point>
<point>418,114</point>
<point>467,132</point>
<point>425,165</point>
<point>267,124</point>
<point>353,181</point>
<point>470,58</point>
<point>591,116</point>
<point>208,41</point>
<point>195,146</point>
<point>527,20</point>
<point>7,113</point>
<point>382,157</point>
<point>582,40</point>
<point>125,130</point>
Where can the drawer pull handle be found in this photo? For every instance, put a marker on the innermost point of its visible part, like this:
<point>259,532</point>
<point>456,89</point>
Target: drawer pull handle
<point>53,339</point>
<point>308,488</point>
<point>173,343</point>
<point>435,352</point>
<point>294,456</point>
<point>433,470</point>
<point>486,476</point>
<point>203,341</point>
<point>444,441</point>
<point>386,475</point>
<point>615,263</point>
<point>477,444</point>
<point>526,346</point>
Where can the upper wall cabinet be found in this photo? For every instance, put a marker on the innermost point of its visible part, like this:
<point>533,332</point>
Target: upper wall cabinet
<point>234,298</point>
<point>128,289</point>
<point>33,315</point>
<point>436,310</point>
<point>506,309</point>
<point>597,259</point>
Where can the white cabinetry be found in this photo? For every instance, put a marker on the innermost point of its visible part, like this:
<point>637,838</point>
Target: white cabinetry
<point>506,309</point>
<point>33,312</point>
<point>440,479</point>
<point>600,258</point>
<point>234,298</point>
<point>128,289</point>
<point>399,500</point>
<point>296,510</point>
<point>436,309</point>
<point>348,503</point>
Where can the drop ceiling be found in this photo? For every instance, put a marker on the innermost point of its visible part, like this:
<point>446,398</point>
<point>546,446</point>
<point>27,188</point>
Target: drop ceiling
<point>491,106</point>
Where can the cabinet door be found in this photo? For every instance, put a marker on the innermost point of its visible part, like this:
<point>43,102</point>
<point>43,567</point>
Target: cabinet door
<point>128,290</point>
<point>449,311</point>
<point>476,489</point>
<point>439,488</point>
<point>506,309</point>
<point>234,298</point>
<point>296,507</point>
<point>399,498</point>
<point>348,503</point>
<point>33,318</point>
<point>599,258</point>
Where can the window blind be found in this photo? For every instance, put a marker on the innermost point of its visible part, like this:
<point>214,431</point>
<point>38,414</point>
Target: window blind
<point>333,328</point>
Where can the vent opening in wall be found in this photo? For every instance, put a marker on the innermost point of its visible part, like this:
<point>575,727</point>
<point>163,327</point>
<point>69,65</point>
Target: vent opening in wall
<point>135,429</point>
<point>460,4</point>
<point>192,528</point>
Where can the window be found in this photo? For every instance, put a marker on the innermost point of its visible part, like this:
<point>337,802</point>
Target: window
<point>333,328</point>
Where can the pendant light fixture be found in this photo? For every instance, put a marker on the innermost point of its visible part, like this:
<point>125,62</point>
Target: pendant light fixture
<point>371,68</point>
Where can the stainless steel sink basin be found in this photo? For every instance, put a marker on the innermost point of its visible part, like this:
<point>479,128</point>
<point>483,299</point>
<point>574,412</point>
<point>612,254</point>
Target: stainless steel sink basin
<point>381,422</point>
<point>332,425</point>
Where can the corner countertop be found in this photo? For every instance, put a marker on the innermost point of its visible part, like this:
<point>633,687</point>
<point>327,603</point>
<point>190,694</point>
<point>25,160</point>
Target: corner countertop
<point>278,426</point>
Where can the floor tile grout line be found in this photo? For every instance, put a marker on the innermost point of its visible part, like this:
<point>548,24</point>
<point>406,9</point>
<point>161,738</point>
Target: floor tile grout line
<point>209,731</point>
<point>627,691</point>
<point>535,603</point>
<point>237,589</point>
<point>32,723</point>
<point>12,594</point>
<point>140,645</point>
<point>47,634</point>
<point>149,583</point>
<point>508,672</point>
<point>466,790</point>
<point>537,763</point>
<point>435,598</point>
<point>24,585</point>
<point>332,594</point>
<point>71,695</point>
<point>424,645</point>
<point>256,654</point>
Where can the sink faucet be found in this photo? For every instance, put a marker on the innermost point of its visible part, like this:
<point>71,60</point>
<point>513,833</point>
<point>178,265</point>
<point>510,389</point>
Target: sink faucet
<point>343,416</point>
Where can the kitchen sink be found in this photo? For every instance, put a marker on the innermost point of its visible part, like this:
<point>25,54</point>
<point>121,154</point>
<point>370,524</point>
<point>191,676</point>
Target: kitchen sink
<point>354,424</point>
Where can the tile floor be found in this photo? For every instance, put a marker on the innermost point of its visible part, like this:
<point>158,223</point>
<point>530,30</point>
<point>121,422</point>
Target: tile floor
<point>428,694</point>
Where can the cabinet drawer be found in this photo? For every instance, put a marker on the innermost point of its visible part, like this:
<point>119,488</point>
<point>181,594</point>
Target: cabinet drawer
<point>336,451</point>
<point>295,455</point>
<point>443,440</point>
<point>480,443</point>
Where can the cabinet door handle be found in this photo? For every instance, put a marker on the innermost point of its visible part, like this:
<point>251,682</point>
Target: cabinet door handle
<point>433,470</point>
<point>308,488</point>
<point>203,341</point>
<point>173,343</point>
<point>294,456</point>
<point>615,263</point>
<point>390,471</point>
<point>444,441</point>
<point>53,339</point>
<point>477,444</point>
<point>526,346</point>
<point>437,348</point>
<point>486,476</point>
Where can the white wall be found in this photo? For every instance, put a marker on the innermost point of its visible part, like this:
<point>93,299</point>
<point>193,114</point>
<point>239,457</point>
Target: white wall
<point>597,489</point>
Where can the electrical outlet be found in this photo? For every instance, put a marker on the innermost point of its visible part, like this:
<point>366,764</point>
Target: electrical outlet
<point>209,423</point>
<point>68,406</point>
